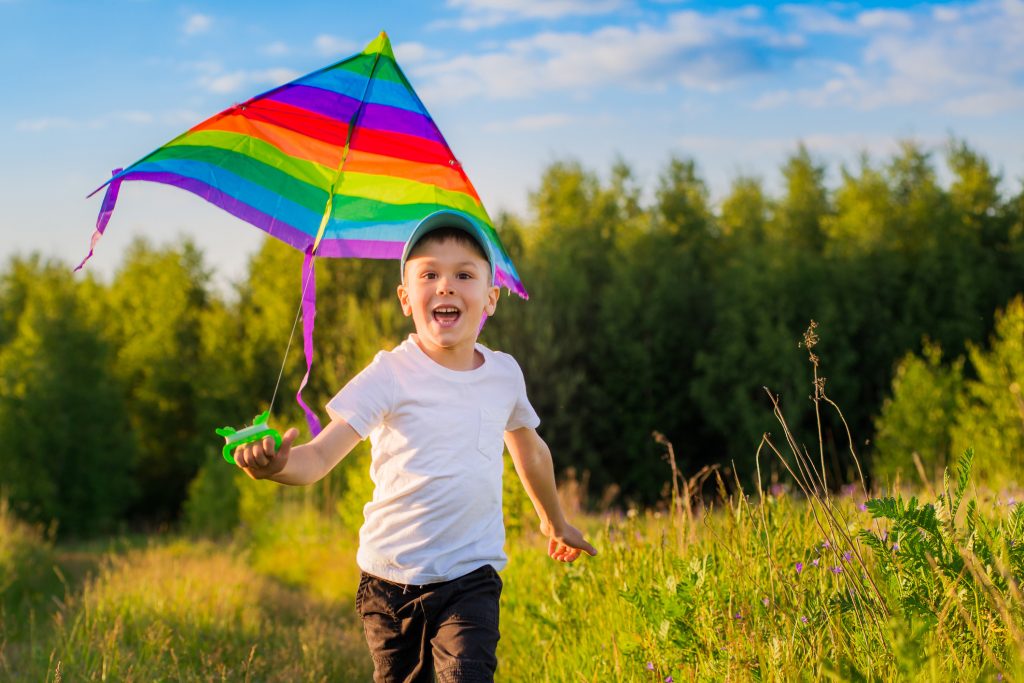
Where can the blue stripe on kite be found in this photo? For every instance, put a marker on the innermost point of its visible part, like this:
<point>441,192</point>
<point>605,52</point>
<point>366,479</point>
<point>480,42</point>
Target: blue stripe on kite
<point>354,85</point>
<point>245,191</point>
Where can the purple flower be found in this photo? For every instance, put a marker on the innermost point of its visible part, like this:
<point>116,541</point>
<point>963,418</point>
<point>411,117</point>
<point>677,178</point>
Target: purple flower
<point>826,544</point>
<point>847,556</point>
<point>738,615</point>
<point>799,567</point>
<point>765,601</point>
<point>885,534</point>
<point>816,561</point>
<point>650,666</point>
<point>837,570</point>
<point>669,679</point>
<point>863,507</point>
<point>803,619</point>
<point>895,547</point>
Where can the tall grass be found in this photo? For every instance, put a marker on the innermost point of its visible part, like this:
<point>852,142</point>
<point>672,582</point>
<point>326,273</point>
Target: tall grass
<point>797,581</point>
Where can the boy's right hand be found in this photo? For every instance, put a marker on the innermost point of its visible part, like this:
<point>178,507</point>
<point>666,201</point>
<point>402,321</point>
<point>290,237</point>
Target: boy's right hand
<point>261,460</point>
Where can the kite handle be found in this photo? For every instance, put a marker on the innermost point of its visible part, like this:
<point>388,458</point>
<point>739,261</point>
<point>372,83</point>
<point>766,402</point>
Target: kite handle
<point>259,430</point>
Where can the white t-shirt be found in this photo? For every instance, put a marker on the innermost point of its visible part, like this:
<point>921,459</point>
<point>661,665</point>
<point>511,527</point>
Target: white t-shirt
<point>437,436</point>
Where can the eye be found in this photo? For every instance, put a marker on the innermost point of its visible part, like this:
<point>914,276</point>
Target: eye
<point>428,275</point>
<point>465,276</point>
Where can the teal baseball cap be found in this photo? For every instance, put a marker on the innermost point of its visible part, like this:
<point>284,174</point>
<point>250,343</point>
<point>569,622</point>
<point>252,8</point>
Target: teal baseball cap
<point>449,219</point>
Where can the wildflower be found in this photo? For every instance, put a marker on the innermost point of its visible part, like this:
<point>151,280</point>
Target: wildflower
<point>885,535</point>
<point>837,570</point>
<point>803,619</point>
<point>669,679</point>
<point>765,601</point>
<point>825,544</point>
<point>738,615</point>
<point>816,561</point>
<point>799,567</point>
<point>650,666</point>
<point>863,507</point>
<point>895,547</point>
<point>847,556</point>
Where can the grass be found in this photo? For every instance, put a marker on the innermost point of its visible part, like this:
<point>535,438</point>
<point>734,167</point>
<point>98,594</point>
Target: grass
<point>797,582</point>
<point>692,597</point>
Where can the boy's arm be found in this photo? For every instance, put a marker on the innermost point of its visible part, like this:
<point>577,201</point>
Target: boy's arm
<point>300,465</point>
<point>532,459</point>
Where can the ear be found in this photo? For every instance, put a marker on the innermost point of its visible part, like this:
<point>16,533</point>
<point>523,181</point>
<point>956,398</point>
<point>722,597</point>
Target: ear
<point>493,294</point>
<point>403,298</point>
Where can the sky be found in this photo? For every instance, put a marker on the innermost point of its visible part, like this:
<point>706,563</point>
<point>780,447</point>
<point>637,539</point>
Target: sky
<point>514,85</point>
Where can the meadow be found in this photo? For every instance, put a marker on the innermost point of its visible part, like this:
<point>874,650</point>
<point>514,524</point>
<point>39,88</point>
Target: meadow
<point>786,582</point>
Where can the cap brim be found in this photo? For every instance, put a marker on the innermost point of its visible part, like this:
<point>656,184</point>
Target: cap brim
<point>449,219</point>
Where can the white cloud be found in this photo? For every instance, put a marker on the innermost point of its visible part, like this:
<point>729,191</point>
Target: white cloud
<point>530,123</point>
<point>408,53</point>
<point>708,52</point>
<point>276,49</point>
<point>196,24</point>
<point>50,123</point>
<point>885,19</point>
<point>971,66</point>
<point>332,46</point>
<point>45,123</point>
<point>477,14</point>
<point>234,81</point>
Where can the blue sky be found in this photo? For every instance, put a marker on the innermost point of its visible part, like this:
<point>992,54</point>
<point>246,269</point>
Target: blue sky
<point>513,85</point>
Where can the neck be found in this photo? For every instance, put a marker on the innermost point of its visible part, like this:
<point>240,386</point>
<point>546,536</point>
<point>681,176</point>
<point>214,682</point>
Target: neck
<point>461,358</point>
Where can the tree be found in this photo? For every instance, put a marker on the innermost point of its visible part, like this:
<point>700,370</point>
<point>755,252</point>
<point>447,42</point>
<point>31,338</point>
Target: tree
<point>61,410</point>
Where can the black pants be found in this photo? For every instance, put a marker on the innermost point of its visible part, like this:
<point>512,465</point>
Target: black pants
<point>449,629</point>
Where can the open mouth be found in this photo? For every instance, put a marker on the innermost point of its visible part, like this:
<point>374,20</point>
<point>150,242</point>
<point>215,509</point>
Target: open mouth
<point>446,316</point>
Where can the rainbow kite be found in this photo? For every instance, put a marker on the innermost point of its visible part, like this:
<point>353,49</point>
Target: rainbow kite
<point>344,161</point>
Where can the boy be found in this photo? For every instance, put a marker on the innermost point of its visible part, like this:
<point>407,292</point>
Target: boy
<point>436,409</point>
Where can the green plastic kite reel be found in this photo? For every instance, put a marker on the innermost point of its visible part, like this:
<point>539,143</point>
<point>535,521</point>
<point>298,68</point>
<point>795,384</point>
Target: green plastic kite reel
<point>257,432</point>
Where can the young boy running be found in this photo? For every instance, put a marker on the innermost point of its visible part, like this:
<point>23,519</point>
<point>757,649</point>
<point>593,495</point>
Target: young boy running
<point>437,409</point>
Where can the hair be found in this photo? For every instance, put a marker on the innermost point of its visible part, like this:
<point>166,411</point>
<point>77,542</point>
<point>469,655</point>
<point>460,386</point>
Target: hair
<point>444,234</point>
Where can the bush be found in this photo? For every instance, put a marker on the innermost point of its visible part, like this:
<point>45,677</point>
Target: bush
<point>213,497</point>
<point>26,562</point>
<point>990,414</point>
<point>919,415</point>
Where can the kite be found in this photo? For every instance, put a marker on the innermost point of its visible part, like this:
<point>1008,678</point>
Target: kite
<point>342,162</point>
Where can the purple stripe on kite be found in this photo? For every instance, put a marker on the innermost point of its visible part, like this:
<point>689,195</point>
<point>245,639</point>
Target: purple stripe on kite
<point>375,116</point>
<point>106,209</point>
<point>338,248</point>
<point>391,119</point>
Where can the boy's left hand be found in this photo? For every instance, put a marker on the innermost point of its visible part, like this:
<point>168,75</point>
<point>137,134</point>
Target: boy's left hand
<point>566,544</point>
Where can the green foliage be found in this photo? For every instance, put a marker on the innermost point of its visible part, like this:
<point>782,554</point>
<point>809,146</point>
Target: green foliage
<point>919,415</point>
<point>650,309</point>
<point>212,505</point>
<point>26,568</point>
<point>62,412</point>
<point>990,415</point>
<point>958,575</point>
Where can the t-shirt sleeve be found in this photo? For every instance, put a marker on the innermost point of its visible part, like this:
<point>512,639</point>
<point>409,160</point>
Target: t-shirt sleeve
<point>523,414</point>
<point>367,399</point>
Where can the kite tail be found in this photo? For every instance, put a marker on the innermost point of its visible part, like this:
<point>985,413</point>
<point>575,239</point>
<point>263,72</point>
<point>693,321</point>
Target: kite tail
<point>106,209</point>
<point>308,318</point>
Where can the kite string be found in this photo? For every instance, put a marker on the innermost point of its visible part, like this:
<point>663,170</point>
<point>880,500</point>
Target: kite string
<point>323,223</point>
<point>280,374</point>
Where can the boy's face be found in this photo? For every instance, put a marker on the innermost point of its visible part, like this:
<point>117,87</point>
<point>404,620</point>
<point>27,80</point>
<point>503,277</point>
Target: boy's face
<point>447,292</point>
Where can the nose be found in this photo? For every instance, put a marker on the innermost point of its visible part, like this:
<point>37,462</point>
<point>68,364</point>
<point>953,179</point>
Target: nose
<point>444,286</point>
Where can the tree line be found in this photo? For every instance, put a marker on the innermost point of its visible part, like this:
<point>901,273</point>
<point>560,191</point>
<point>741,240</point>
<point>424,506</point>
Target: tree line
<point>650,309</point>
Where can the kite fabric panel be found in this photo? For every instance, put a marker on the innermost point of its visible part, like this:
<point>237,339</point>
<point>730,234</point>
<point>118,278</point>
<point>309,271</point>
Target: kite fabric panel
<point>342,162</point>
<point>346,159</point>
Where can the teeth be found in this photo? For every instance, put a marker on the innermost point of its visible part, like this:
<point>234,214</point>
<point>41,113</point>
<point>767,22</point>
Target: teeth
<point>446,309</point>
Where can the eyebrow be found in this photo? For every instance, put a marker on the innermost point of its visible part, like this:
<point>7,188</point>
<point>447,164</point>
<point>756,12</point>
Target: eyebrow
<point>430,262</point>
